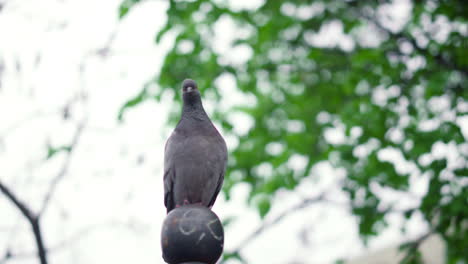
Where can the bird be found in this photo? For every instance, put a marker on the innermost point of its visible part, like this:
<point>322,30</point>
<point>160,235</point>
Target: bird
<point>195,155</point>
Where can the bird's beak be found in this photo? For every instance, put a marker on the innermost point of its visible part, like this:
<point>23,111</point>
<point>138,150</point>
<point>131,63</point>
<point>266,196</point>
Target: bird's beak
<point>189,89</point>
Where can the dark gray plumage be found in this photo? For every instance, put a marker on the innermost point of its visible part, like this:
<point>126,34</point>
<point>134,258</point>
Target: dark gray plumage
<point>195,156</point>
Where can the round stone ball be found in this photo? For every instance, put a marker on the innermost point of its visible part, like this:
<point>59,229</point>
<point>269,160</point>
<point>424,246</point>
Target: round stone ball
<point>192,234</point>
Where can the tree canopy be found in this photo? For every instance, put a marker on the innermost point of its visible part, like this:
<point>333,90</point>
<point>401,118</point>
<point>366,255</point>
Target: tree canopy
<point>390,80</point>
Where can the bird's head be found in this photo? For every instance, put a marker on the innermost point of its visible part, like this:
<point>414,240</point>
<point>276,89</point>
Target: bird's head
<point>189,86</point>
<point>190,92</point>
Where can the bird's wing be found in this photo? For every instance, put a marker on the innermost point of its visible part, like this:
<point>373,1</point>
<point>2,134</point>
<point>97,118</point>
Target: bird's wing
<point>169,173</point>
<point>194,168</point>
<point>168,188</point>
<point>217,190</point>
<point>219,158</point>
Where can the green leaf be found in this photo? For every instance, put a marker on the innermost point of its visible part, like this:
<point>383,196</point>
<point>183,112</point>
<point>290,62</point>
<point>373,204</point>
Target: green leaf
<point>52,151</point>
<point>227,221</point>
<point>233,256</point>
<point>463,172</point>
<point>125,6</point>
<point>132,103</point>
<point>263,205</point>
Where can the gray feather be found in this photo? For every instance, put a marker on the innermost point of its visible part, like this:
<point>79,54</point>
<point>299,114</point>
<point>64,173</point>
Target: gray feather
<point>195,156</point>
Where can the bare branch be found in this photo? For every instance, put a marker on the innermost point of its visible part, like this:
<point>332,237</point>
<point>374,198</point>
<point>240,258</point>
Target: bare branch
<point>19,204</point>
<point>9,255</point>
<point>6,256</point>
<point>74,238</point>
<point>41,251</point>
<point>63,171</point>
<point>265,226</point>
<point>32,219</point>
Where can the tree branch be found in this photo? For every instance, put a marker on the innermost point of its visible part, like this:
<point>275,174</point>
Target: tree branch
<point>77,236</point>
<point>32,219</point>
<point>264,226</point>
<point>19,204</point>
<point>303,204</point>
<point>63,171</point>
<point>9,254</point>
<point>41,251</point>
<point>412,247</point>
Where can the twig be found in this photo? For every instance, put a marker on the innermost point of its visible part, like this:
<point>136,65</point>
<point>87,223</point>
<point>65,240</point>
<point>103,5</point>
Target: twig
<point>421,239</point>
<point>63,171</point>
<point>414,246</point>
<point>6,256</point>
<point>32,219</point>
<point>305,203</point>
<point>9,254</point>
<point>19,204</point>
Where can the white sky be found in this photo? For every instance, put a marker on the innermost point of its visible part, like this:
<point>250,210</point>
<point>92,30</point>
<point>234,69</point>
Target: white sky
<point>114,203</point>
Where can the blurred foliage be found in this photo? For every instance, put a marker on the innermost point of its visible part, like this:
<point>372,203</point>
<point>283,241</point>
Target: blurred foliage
<point>385,85</point>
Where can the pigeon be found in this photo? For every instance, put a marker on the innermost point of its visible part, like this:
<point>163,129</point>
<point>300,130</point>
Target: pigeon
<point>195,156</point>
